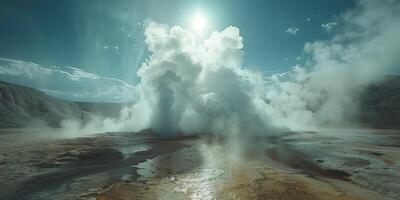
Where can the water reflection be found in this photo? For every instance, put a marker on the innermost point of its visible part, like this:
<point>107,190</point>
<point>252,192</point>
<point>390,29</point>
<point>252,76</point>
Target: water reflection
<point>204,183</point>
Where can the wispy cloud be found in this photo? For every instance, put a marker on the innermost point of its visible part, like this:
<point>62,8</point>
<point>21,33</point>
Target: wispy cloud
<point>329,26</point>
<point>66,82</point>
<point>292,30</point>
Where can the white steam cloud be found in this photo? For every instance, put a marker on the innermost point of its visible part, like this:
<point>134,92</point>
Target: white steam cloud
<point>189,86</point>
<point>329,26</point>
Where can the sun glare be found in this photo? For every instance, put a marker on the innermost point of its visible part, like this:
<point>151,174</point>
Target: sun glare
<point>199,22</point>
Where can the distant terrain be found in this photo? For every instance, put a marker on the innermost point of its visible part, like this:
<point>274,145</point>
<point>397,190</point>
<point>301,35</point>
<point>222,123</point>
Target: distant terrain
<point>22,106</point>
<point>380,106</point>
<point>103,108</point>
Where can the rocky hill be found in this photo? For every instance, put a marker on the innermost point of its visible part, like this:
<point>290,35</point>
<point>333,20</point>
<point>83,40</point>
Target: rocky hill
<point>21,106</point>
<point>380,106</point>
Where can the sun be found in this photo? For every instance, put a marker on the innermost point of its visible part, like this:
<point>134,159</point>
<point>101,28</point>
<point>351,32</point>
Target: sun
<point>199,22</point>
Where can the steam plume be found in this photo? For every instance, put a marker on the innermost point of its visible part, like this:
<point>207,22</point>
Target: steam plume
<point>191,86</point>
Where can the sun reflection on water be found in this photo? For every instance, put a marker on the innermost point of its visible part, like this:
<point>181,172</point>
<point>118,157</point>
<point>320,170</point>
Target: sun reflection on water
<point>205,183</point>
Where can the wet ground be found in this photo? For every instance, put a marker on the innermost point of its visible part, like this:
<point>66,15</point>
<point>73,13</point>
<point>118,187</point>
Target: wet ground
<point>346,164</point>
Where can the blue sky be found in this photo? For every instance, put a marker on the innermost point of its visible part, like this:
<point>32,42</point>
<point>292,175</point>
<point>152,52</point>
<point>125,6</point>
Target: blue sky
<point>105,38</point>
<point>75,33</point>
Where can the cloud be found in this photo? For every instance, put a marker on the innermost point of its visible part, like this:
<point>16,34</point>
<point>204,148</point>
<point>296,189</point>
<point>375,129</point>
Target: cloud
<point>329,26</point>
<point>66,82</point>
<point>198,87</point>
<point>292,30</point>
<point>308,19</point>
<point>326,91</point>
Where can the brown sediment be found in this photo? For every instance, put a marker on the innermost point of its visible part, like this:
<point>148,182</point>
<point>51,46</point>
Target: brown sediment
<point>79,157</point>
<point>181,170</point>
<point>282,186</point>
<point>388,162</point>
<point>272,185</point>
<point>239,180</point>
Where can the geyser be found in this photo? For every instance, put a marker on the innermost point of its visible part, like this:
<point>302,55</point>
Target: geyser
<point>189,87</point>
